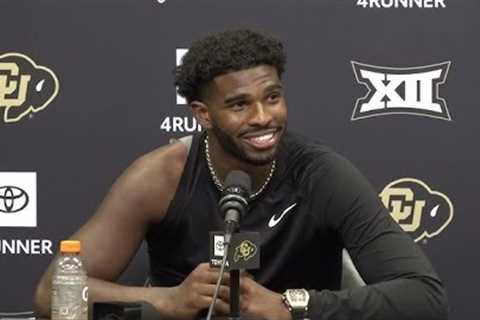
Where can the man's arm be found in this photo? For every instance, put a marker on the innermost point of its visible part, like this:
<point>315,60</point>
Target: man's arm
<point>112,236</point>
<point>401,283</point>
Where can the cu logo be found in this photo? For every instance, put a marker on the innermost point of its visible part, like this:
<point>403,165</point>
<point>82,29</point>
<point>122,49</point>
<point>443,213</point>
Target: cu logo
<point>12,199</point>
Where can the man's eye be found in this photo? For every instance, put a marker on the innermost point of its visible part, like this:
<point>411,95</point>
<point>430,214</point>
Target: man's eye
<point>274,96</point>
<point>238,105</point>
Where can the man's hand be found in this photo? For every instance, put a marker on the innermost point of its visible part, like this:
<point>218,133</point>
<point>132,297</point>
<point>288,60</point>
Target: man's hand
<point>194,294</point>
<point>257,302</point>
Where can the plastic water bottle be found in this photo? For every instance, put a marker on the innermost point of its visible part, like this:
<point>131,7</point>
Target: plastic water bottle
<point>69,284</point>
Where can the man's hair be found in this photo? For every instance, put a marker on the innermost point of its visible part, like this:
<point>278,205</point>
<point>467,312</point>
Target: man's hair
<point>224,52</point>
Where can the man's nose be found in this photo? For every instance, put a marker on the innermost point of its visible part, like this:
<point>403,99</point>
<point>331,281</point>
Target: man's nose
<point>259,115</point>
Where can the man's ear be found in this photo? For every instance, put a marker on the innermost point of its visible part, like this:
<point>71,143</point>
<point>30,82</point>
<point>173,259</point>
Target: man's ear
<point>200,112</point>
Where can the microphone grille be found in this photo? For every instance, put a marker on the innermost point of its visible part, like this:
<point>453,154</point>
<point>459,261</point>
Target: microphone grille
<point>238,179</point>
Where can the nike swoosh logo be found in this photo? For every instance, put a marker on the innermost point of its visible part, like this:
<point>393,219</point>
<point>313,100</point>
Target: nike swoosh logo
<point>274,221</point>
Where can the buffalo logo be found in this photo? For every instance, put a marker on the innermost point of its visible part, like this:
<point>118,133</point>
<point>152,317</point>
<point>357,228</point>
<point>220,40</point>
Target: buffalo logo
<point>419,210</point>
<point>12,199</point>
<point>244,251</point>
<point>413,90</point>
<point>25,87</point>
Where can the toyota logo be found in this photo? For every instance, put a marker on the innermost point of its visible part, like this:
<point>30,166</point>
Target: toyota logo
<point>12,199</point>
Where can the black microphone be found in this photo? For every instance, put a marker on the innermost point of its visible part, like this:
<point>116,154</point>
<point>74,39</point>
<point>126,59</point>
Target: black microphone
<point>232,204</point>
<point>234,201</point>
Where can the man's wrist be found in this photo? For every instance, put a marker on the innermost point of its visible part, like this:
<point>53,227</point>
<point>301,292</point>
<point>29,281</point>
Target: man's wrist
<point>161,299</point>
<point>280,311</point>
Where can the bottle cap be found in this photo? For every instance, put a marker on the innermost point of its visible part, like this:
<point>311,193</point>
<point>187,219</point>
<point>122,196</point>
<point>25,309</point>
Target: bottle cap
<point>70,246</point>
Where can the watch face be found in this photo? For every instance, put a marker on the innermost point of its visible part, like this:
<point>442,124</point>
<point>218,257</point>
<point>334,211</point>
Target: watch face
<point>298,298</point>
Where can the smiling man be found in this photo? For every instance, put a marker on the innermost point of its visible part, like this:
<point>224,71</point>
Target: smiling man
<point>307,202</point>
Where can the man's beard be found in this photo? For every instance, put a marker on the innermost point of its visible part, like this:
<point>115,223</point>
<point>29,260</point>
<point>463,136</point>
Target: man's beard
<point>239,151</point>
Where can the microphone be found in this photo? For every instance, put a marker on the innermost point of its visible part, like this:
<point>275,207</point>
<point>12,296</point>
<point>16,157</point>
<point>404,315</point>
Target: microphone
<point>234,201</point>
<point>233,204</point>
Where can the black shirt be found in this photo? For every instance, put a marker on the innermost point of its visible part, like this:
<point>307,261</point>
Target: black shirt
<point>316,204</point>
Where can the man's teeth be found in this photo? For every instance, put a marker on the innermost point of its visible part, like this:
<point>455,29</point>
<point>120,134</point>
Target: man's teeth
<point>263,138</point>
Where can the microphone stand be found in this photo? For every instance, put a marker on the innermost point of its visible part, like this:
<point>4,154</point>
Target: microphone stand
<point>232,217</point>
<point>235,294</point>
<point>234,289</point>
<point>231,229</point>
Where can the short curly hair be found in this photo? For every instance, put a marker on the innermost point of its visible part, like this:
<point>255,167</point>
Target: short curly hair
<point>224,52</point>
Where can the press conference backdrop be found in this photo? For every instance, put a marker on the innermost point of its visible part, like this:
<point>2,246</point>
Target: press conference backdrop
<point>86,87</point>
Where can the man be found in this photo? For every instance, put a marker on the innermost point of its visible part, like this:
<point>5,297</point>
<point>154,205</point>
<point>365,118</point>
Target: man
<point>307,202</point>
